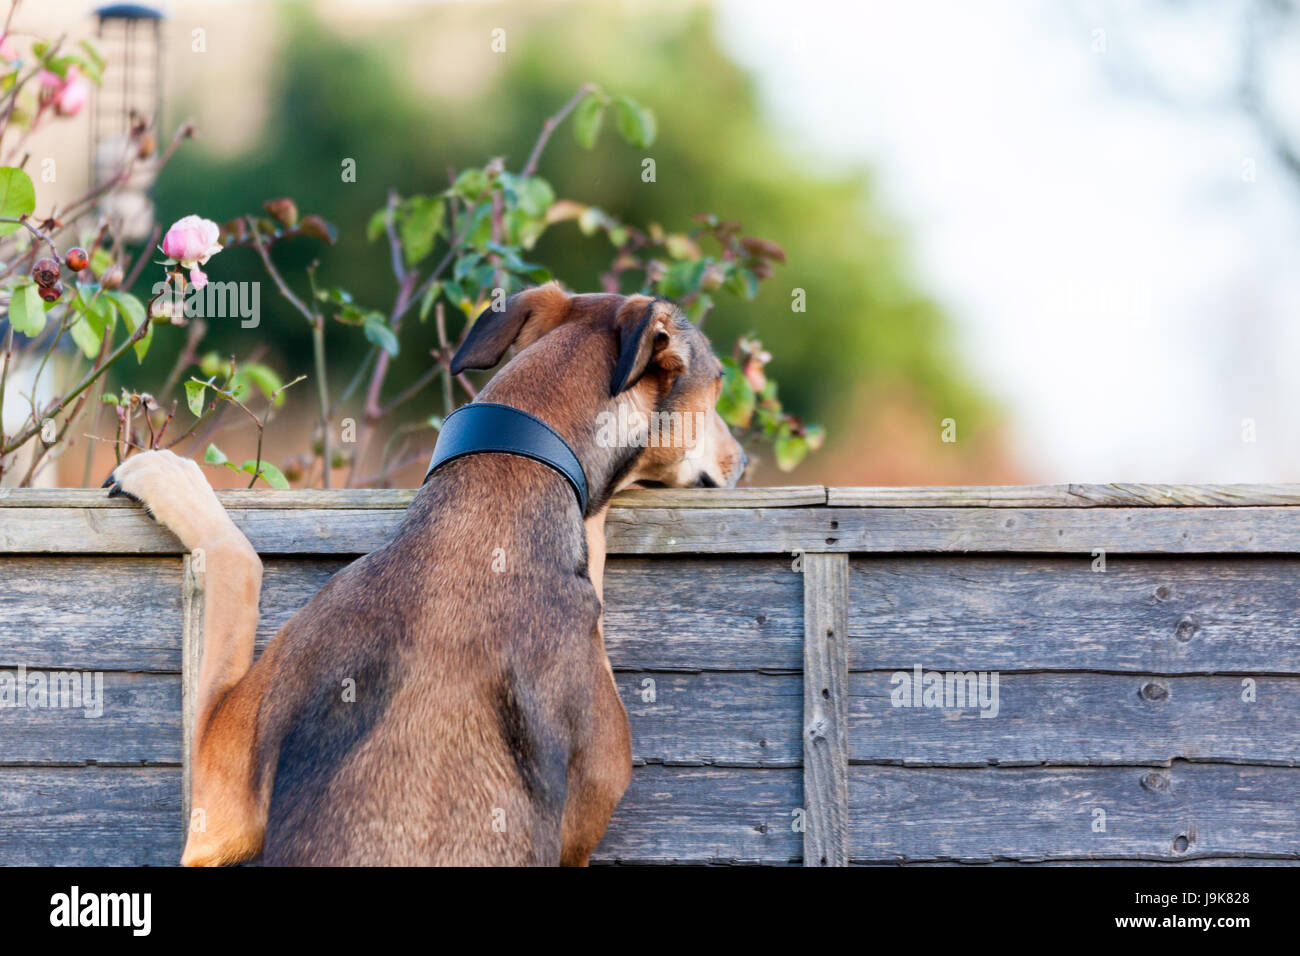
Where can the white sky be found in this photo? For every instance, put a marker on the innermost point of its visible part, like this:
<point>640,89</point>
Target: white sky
<point>1115,282</point>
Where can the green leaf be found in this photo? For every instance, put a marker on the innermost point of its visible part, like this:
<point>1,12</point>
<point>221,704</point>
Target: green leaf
<point>470,185</point>
<point>27,311</point>
<point>742,282</point>
<point>92,52</point>
<point>133,314</point>
<point>587,119</point>
<point>263,378</point>
<point>215,456</point>
<point>790,450</point>
<point>195,392</point>
<point>636,124</point>
<point>535,196</point>
<point>682,278</point>
<point>86,336</point>
<point>463,265</point>
<point>698,309</point>
<point>17,197</point>
<point>430,296</point>
<point>420,226</point>
<point>378,332</point>
<point>109,399</point>
<point>375,227</point>
<point>267,472</point>
<point>737,399</point>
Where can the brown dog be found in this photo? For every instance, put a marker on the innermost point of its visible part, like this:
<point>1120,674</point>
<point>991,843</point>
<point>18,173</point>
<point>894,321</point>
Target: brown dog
<point>484,726</point>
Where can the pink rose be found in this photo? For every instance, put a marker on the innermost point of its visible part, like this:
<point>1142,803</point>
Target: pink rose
<point>68,96</point>
<point>7,51</point>
<point>74,95</point>
<point>192,241</point>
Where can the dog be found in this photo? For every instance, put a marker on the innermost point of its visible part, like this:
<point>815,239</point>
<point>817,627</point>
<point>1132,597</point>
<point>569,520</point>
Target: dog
<point>483,725</point>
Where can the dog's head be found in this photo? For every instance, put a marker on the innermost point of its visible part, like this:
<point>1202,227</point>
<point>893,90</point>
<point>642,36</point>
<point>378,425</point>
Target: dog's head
<point>628,374</point>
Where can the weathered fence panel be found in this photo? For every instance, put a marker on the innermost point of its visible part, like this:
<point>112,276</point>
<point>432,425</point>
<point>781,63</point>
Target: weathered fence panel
<point>1144,640</point>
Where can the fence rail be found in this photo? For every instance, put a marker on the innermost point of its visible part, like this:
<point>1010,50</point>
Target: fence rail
<point>1144,639</point>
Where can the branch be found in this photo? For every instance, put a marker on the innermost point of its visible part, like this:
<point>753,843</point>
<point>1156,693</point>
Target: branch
<point>549,125</point>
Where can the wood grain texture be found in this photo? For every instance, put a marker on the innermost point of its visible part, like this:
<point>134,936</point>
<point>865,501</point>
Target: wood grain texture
<point>1066,496</point>
<point>705,815</point>
<point>1226,530</point>
<point>690,613</point>
<point>191,659</point>
<point>764,530</point>
<point>120,613</point>
<point>1118,494</point>
<point>1147,615</point>
<point>727,719</point>
<point>399,498</point>
<point>97,816</point>
<point>1083,719</point>
<point>984,815</point>
<point>825,709</point>
<point>139,724</point>
<point>90,816</point>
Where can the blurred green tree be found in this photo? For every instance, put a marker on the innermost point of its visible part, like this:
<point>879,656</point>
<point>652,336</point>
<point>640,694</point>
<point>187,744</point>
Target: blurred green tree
<point>866,323</point>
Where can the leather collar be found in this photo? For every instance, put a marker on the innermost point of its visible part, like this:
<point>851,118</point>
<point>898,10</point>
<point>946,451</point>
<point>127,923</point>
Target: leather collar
<point>487,427</point>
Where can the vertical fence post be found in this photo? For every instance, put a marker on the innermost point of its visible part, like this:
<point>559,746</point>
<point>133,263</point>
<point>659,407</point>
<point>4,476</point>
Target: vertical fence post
<point>825,709</point>
<point>191,656</point>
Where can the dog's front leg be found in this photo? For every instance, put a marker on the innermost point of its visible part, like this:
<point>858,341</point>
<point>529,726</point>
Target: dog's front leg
<point>228,818</point>
<point>599,772</point>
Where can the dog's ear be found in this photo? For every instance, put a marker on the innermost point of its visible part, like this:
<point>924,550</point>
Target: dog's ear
<point>651,338</point>
<point>528,315</point>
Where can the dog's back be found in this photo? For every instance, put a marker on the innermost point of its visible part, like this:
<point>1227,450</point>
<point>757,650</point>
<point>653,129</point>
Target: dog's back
<point>429,695</point>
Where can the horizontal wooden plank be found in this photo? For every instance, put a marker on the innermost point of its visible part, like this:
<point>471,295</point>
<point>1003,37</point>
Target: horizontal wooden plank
<point>398,498</point>
<point>983,496</point>
<point>703,613</point>
<point>714,719</point>
<point>123,613</point>
<point>1149,615</point>
<point>1191,810</point>
<point>95,816</point>
<point>90,816</point>
<point>651,530</point>
<point>724,719</point>
<point>705,815</point>
<point>139,722</point>
<point>1082,719</point>
<point>119,613</point>
<point>1236,530</point>
<point>1065,496</point>
<point>688,613</point>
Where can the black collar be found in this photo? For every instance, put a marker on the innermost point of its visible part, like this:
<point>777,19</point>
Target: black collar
<point>488,427</point>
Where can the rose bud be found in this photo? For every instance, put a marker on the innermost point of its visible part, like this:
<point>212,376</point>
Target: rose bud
<point>52,293</point>
<point>46,272</point>
<point>317,228</point>
<point>112,277</point>
<point>284,211</point>
<point>76,259</point>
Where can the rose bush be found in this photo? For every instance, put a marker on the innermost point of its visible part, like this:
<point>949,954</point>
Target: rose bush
<point>478,233</point>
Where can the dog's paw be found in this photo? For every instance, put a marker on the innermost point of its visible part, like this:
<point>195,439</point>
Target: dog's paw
<point>173,492</point>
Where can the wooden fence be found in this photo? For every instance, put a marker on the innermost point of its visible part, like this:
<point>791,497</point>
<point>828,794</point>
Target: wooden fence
<point>1144,640</point>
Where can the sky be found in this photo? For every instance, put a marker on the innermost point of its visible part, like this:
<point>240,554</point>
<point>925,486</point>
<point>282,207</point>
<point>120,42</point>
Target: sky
<point>1121,270</point>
